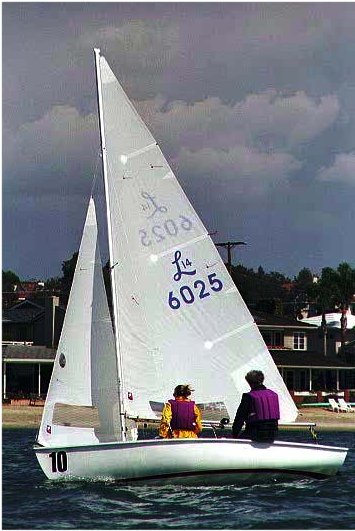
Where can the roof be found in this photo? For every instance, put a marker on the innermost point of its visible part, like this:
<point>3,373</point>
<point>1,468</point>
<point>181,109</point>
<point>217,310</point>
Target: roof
<point>300,358</point>
<point>25,312</point>
<point>332,319</point>
<point>27,352</point>
<point>21,315</point>
<point>29,304</point>
<point>265,319</point>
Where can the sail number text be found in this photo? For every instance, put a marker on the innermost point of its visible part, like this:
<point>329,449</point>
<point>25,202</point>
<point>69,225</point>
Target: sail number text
<point>167,229</point>
<point>59,461</point>
<point>188,295</point>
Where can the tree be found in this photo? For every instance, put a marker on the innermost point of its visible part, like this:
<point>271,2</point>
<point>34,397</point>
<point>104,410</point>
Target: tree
<point>54,285</point>
<point>261,271</point>
<point>304,280</point>
<point>325,292</point>
<point>279,277</point>
<point>335,289</point>
<point>9,280</point>
<point>346,291</point>
<point>346,284</point>
<point>302,286</point>
<point>68,269</point>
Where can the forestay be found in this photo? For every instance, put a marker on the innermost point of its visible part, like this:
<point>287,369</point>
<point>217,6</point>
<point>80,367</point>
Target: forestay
<point>180,317</point>
<point>82,405</point>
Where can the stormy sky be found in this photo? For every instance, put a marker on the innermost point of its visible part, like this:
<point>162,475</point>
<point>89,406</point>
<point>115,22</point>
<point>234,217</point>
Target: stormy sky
<point>253,105</point>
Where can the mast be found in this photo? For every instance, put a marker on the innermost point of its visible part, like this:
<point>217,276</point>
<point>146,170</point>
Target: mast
<point>109,229</point>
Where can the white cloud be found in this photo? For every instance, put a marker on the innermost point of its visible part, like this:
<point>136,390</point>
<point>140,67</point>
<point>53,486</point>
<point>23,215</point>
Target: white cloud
<point>264,121</point>
<point>252,140</point>
<point>250,170</point>
<point>343,170</point>
<point>289,120</point>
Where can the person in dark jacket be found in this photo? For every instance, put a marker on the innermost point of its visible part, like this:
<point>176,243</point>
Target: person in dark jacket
<point>259,410</point>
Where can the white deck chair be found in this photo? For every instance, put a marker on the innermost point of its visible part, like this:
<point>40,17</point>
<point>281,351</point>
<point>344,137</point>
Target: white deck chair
<point>334,405</point>
<point>345,406</point>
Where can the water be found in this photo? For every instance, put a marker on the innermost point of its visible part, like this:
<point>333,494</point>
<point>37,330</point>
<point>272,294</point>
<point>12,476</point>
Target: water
<point>30,501</point>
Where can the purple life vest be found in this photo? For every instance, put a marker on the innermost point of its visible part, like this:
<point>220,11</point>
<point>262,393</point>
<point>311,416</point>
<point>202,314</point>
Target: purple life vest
<point>183,415</point>
<point>265,405</point>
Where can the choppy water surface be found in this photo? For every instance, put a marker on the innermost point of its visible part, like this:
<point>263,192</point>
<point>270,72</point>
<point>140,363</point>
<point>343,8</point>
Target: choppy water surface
<point>30,501</point>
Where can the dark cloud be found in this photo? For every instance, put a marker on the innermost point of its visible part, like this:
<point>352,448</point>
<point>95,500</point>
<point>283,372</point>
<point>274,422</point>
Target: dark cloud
<point>253,105</point>
<point>52,154</point>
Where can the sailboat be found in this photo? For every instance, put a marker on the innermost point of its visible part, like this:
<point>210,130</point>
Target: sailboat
<point>177,318</point>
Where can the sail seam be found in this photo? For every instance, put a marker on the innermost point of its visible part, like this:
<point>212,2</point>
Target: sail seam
<point>210,344</point>
<point>125,157</point>
<point>169,175</point>
<point>180,246</point>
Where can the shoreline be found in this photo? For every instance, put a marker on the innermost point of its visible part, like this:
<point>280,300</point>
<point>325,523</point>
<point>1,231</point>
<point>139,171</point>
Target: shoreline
<point>21,416</point>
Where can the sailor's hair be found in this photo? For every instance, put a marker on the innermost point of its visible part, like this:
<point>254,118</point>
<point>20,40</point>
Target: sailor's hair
<point>254,377</point>
<point>183,390</point>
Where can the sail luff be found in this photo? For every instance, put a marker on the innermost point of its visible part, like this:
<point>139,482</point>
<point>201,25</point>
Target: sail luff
<point>109,230</point>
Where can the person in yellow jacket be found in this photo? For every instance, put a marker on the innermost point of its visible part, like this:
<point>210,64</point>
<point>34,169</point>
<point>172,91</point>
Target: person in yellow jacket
<point>181,418</point>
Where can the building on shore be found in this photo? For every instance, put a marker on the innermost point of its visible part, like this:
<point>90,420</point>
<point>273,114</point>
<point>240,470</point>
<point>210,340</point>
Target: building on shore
<point>310,361</point>
<point>31,331</point>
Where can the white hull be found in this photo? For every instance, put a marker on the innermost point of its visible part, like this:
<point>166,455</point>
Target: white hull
<point>188,459</point>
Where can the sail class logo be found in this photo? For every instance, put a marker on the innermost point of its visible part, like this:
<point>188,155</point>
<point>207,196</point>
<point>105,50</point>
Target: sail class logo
<point>189,294</point>
<point>181,266</point>
<point>152,205</point>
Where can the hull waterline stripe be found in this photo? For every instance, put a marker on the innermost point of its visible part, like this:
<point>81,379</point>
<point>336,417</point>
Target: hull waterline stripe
<point>250,471</point>
<point>208,473</point>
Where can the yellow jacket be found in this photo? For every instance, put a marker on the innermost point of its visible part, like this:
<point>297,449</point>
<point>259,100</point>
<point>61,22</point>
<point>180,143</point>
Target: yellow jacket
<point>165,430</point>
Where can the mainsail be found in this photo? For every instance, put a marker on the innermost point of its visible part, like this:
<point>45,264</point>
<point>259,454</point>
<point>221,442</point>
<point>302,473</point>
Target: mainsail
<point>180,318</point>
<point>82,405</point>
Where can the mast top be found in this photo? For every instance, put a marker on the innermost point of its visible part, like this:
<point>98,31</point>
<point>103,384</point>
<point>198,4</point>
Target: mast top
<point>97,53</point>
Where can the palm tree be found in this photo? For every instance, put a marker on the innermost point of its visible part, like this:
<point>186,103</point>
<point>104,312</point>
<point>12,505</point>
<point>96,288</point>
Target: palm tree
<point>325,293</point>
<point>335,288</point>
<point>346,286</point>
